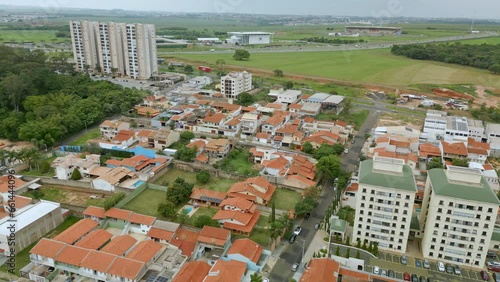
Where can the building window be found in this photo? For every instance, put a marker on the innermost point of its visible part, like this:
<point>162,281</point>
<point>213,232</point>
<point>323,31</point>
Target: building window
<point>360,219</point>
<point>440,209</point>
<point>490,210</point>
<point>441,203</point>
<point>438,217</point>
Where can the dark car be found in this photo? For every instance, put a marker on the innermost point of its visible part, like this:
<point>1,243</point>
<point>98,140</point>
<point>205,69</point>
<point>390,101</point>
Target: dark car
<point>485,276</point>
<point>414,278</point>
<point>496,277</point>
<point>390,273</point>
<point>292,239</point>
<point>307,216</point>
<point>422,279</point>
<point>406,276</point>
<point>449,269</point>
<point>418,263</point>
<point>491,255</point>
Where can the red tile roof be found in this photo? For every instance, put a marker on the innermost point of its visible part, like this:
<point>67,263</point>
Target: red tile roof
<point>202,158</point>
<point>94,211</point>
<point>95,239</point>
<point>353,187</point>
<point>247,228</point>
<point>428,150</point>
<point>145,251</point>
<point>307,182</point>
<point>4,183</point>
<point>72,255</point>
<point>216,118</point>
<point>197,193</point>
<point>123,135</point>
<point>185,240</point>
<point>239,203</point>
<point>246,248</point>
<point>118,213</point>
<point>226,271</point>
<point>119,245</point>
<point>194,271</point>
<point>98,261</point>
<point>47,248</point>
<point>247,186</point>
<point>321,269</point>
<point>162,234</point>
<point>126,268</point>
<point>457,148</point>
<point>142,219</point>
<point>214,235</point>
<point>76,231</point>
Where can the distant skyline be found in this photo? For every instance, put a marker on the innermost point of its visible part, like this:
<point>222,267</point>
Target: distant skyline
<point>484,9</point>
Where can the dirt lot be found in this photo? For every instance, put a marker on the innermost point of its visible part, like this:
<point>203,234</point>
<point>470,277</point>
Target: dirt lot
<point>15,146</point>
<point>70,196</point>
<point>397,119</point>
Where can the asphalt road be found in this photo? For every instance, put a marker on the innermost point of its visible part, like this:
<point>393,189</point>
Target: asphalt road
<point>293,252</point>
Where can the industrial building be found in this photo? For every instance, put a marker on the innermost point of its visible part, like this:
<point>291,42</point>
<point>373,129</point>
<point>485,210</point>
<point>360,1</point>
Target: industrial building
<point>249,38</point>
<point>115,48</point>
<point>373,30</point>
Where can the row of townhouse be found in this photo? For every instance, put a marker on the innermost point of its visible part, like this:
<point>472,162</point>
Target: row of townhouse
<point>455,222</point>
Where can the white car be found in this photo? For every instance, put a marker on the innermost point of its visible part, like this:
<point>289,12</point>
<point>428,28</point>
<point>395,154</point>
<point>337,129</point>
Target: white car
<point>441,266</point>
<point>297,231</point>
<point>376,270</point>
<point>265,280</point>
<point>346,151</point>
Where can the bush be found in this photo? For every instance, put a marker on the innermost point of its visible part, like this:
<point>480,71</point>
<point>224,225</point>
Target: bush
<point>113,200</point>
<point>203,177</point>
<point>37,194</point>
<point>205,220</point>
<point>44,167</point>
<point>76,175</point>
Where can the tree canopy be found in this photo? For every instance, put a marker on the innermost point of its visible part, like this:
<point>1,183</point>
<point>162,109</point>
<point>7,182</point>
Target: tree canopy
<point>245,99</point>
<point>329,166</point>
<point>240,55</point>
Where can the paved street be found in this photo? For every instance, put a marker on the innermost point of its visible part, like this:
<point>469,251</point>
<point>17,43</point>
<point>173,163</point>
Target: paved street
<point>293,252</point>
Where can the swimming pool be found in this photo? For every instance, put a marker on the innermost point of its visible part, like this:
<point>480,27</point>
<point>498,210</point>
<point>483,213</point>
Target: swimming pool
<point>137,184</point>
<point>188,209</point>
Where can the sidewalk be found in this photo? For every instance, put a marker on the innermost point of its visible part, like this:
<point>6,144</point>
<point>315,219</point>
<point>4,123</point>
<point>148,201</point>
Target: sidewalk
<point>316,244</point>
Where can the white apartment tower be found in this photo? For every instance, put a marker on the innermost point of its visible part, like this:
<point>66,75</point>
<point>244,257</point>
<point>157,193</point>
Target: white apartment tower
<point>458,214</point>
<point>125,49</point>
<point>384,203</point>
<point>235,83</point>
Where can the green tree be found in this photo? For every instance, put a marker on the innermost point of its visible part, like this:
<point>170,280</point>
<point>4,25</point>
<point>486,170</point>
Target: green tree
<point>364,245</point>
<point>337,251</point>
<point>370,247</point>
<point>324,150</point>
<point>44,167</point>
<point>329,166</point>
<point>179,191</point>
<point>358,244</point>
<point>255,277</point>
<point>348,240</point>
<point>375,249</point>
<point>495,68</point>
<point>203,177</point>
<point>182,217</point>
<point>188,69</point>
<point>220,65</point>
<point>272,218</point>
<point>307,148</point>
<point>358,254</point>
<point>278,72</point>
<point>304,206</point>
<point>186,136</point>
<point>460,162</point>
<point>347,107</point>
<point>76,175</point>
<point>205,220</point>
<point>240,55</point>
<point>185,154</point>
<point>167,209</point>
<point>434,163</point>
<point>245,99</point>
<point>338,148</point>
<point>288,84</point>
<point>348,253</point>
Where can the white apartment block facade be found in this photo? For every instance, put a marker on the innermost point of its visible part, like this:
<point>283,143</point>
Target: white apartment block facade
<point>384,203</point>
<point>458,214</point>
<point>235,83</point>
<point>125,49</point>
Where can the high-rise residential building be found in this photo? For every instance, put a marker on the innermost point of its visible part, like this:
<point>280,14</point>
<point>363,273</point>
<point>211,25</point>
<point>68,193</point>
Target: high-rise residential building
<point>115,48</point>
<point>384,203</point>
<point>235,83</point>
<point>459,210</point>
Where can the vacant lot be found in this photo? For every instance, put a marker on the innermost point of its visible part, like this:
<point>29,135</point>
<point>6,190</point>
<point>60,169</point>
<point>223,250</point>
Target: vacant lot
<point>82,140</point>
<point>216,184</point>
<point>68,196</point>
<point>286,199</point>
<point>368,66</point>
<point>237,162</point>
<point>396,119</point>
<point>146,202</point>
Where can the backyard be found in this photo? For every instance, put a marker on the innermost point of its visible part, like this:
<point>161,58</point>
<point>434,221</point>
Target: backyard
<point>146,202</point>
<point>67,196</point>
<point>237,162</point>
<point>36,172</point>
<point>286,199</point>
<point>216,184</point>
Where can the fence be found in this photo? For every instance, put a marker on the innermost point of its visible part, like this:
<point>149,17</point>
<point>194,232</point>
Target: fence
<point>157,187</point>
<point>54,181</point>
<point>132,195</point>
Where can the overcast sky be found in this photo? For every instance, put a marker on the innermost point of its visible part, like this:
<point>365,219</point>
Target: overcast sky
<point>377,8</point>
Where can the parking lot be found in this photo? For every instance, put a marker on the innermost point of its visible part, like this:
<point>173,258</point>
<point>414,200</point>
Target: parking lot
<point>390,261</point>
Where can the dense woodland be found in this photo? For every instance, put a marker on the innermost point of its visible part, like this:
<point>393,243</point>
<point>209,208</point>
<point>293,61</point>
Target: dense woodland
<point>43,100</point>
<point>484,56</point>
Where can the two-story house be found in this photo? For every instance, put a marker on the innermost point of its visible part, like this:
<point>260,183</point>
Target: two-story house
<point>217,148</point>
<point>64,166</point>
<point>238,215</point>
<point>110,128</point>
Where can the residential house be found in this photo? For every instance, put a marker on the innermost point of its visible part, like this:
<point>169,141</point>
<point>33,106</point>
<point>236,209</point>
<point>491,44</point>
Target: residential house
<point>211,124</point>
<point>309,109</point>
<point>410,159</point>
<point>288,134</point>
<point>118,216</point>
<point>319,138</point>
<point>301,173</point>
<point>276,167</point>
<point>231,127</point>
<point>146,251</point>
<point>95,213</point>
<point>9,183</point>
<point>295,108</point>
<point>427,151</point>
<point>477,151</point>
<point>156,101</point>
<point>271,124</point>
<point>158,139</point>
<point>288,97</point>
<point>120,245</point>
<point>217,148</point>
<point>259,154</point>
<point>94,240</point>
<point>136,163</point>
<point>163,231</point>
<point>233,271</point>
<point>255,189</point>
<point>194,271</point>
<point>206,197</point>
<point>249,252</point>
<point>249,123</point>
<point>322,269</point>
<point>148,112</point>
<point>124,138</point>
<point>186,241</point>
<point>140,223</point>
<point>113,178</point>
<point>397,143</point>
<point>263,137</point>
<point>238,215</point>
<point>212,243</point>
<point>310,125</point>
<point>451,151</point>
<point>64,166</point>
<point>110,128</point>
<point>76,231</point>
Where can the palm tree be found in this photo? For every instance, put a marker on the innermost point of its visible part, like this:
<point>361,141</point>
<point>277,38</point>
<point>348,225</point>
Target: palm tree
<point>12,156</point>
<point>3,157</point>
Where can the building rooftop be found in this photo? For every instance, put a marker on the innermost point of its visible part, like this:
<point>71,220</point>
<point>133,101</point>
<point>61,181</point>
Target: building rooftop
<point>441,185</point>
<point>119,245</point>
<point>98,261</point>
<point>246,248</point>
<point>223,271</point>
<point>76,231</point>
<point>214,235</point>
<point>95,239</point>
<point>95,211</point>
<point>126,268</point>
<point>404,181</point>
<point>72,255</point>
<point>144,251</point>
<point>250,33</point>
<point>47,248</point>
<point>337,224</point>
<point>457,124</point>
<point>29,214</point>
<point>321,269</point>
<point>194,271</point>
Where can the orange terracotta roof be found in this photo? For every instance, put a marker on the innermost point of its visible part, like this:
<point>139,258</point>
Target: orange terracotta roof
<point>247,228</point>
<point>488,167</point>
<point>202,158</point>
<point>142,219</point>
<point>144,133</point>
<point>185,240</point>
<point>341,123</point>
<point>200,144</point>
<point>94,211</point>
<point>321,269</point>
<point>457,148</point>
<point>471,143</point>
<point>118,213</point>
<point>216,118</point>
<point>76,231</point>
<point>400,144</point>
<point>226,271</point>
<point>242,217</point>
<point>278,163</point>
<point>295,106</point>
<point>194,271</point>
<point>477,151</point>
<point>197,193</point>
<point>123,135</point>
<point>242,189</point>
<point>119,245</point>
<point>412,157</point>
<point>262,135</point>
<point>145,251</point>
<point>20,202</point>
<point>274,120</point>
<point>354,276</point>
<point>72,255</point>
<point>126,268</point>
<point>233,122</point>
<point>47,248</point>
<point>246,248</point>
<point>214,235</point>
<point>162,234</point>
<point>239,203</point>
<point>98,261</point>
<point>353,187</point>
<point>4,183</point>
<point>427,149</point>
<point>382,140</point>
<point>95,239</point>
<point>307,182</point>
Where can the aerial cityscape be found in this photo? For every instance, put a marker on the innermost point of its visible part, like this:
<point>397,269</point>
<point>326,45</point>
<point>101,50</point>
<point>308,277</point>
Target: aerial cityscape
<point>233,141</point>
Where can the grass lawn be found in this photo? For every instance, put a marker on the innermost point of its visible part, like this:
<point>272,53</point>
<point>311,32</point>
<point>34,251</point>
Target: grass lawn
<point>201,211</point>
<point>368,66</point>
<point>356,117</point>
<point>406,110</point>
<point>237,162</point>
<point>35,172</point>
<point>50,194</point>
<point>347,213</point>
<point>82,140</point>
<point>30,36</point>
<point>489,40</point>
<point>146,202</point>
<point>286,199</point>
<point>216,184</point>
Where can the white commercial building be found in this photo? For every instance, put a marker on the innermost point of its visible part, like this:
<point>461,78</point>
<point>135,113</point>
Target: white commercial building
<point>435,125</point>
<point>384,203</point>
<point>235,83</point>
<point>476,130</point>
<point>115,48</point>
<point>249,38</point>
<point>456,129</point>
<point>459,210</point>
<point>288,97</point>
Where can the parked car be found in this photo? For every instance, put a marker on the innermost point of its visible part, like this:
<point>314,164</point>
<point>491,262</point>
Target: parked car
<point>265,280</point>
<point>406,276</point>
<point>457,270</point>
<point>316,226</point>
<point>496,277</point>
<point>297,231</point>
<point>449,269</point>
<point>404,260</point>
<point>418,263</point>
<point>383,272</point>
<point>390,273</point>
<point>485,276</point>
<point>494,268</point>
<point>414,278</point>
<point>346,151</point>
<point>427,264</point>
<point>307,216</point>
<point>292,239</point>
<point>376,270</point>
<point>493,263</point>
<point>491,255</point>
<point>295,266</point>
<point>441,266</point>
<point>422,279</point>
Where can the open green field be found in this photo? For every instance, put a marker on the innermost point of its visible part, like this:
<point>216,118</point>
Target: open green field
<point>367,66</point>
<point>19,36</point>
<point>146,202</point>
<point>216,184</point>
<point>489,40</point>
<point>82,140</point>
<point>286,199</point>
<point>237,162</point>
